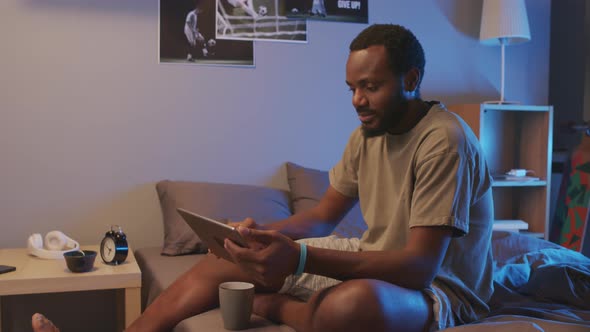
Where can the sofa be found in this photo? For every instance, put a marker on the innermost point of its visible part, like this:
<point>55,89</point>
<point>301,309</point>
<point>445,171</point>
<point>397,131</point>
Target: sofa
<point>523,264</point>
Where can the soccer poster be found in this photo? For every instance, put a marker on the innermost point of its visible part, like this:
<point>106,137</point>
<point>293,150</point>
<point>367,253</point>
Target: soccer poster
<point>352,11</point>
<point>258,20</point>
<point>187,35</point>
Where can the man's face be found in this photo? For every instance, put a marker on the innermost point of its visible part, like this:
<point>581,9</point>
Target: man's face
<point>377,94</point>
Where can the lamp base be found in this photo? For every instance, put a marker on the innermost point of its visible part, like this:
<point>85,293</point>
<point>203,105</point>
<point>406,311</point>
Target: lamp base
<point>502,102</point>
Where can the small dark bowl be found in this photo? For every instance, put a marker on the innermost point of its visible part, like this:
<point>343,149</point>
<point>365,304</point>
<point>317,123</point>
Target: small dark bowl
<point>78,262</point>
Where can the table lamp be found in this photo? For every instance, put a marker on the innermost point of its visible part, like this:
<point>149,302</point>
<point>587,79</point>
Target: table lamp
<point>504,22</point>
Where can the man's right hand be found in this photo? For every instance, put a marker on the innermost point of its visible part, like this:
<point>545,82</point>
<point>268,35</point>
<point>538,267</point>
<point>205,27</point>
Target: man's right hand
<point>272,263</point>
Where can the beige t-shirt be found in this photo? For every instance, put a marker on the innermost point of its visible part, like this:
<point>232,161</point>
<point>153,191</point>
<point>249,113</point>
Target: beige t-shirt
<point>433,175</point>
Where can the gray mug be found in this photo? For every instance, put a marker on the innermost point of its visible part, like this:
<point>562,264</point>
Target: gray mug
<point>235,302</point>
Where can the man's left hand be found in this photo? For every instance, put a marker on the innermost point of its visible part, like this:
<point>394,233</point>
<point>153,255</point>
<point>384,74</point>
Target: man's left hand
<point>272,263</point>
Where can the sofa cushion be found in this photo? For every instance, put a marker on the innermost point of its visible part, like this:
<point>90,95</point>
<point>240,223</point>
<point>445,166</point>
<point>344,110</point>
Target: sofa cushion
<point>308,185</point>
<point>158,272</point>
<point>215,200</point>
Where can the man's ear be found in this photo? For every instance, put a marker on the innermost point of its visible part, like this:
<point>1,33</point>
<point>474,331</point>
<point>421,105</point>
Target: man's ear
<point>411,79</point>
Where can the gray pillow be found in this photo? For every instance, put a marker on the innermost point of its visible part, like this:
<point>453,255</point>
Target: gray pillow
<point>215,200</point>
<point>308,185</point>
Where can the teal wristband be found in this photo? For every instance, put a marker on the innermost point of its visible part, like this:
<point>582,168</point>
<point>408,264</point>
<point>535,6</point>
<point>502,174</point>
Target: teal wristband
<point>302,259</point>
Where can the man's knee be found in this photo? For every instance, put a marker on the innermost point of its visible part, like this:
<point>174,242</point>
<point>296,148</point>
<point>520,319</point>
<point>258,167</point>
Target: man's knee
<point>356,304</point>
<point>350,306</point>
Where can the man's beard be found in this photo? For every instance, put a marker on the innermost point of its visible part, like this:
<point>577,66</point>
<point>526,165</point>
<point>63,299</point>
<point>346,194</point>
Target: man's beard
<point>385,123</point>
<point>391,117</point>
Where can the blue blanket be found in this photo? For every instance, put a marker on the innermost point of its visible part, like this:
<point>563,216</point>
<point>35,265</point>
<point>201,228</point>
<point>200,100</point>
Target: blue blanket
<point>540,279</point>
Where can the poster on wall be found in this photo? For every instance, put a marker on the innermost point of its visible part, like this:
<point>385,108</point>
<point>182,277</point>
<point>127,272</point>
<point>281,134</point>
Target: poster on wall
<point>258,20</point>
<point>353,11</point>
<point>187,35</point>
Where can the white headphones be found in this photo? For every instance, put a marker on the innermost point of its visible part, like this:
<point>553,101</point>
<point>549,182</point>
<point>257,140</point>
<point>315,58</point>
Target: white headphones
<point>56,245</point>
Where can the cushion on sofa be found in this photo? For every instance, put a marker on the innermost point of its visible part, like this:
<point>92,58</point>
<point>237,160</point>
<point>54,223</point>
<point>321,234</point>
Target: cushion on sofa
<point>308,185</point>
<point>158,271</point>
<point>218,201</point>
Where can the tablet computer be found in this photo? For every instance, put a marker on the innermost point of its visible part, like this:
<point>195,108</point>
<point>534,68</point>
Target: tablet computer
<point>212,232</point>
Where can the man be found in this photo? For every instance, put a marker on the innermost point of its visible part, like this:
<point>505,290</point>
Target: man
<point>424,262</point>
<point>193,36</point>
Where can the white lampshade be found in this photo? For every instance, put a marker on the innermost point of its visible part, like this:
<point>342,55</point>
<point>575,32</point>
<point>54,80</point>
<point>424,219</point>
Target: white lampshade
<point>504,21</point>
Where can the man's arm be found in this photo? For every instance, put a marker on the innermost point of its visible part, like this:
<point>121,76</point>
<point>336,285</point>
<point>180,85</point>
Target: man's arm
<point>415,266</point>
<point>317,221</point>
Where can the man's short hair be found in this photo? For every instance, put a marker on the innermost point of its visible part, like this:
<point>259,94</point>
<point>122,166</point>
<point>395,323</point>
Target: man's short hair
<point>404,51</point>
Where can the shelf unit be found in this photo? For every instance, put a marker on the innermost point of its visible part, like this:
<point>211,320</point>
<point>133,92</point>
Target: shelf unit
<point>516,136</point>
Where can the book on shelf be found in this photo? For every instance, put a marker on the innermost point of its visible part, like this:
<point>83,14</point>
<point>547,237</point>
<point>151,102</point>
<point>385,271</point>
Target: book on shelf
<point>503,177</point>
<point>511,225</point>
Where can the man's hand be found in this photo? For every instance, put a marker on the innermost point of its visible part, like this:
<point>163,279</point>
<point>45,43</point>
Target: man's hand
<point>247,223</point>
<point>275,259</point>
<point>200,37</point>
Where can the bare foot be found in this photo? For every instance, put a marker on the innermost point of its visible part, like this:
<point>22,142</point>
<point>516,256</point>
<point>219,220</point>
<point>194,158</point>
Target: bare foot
<point>42,324</point>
